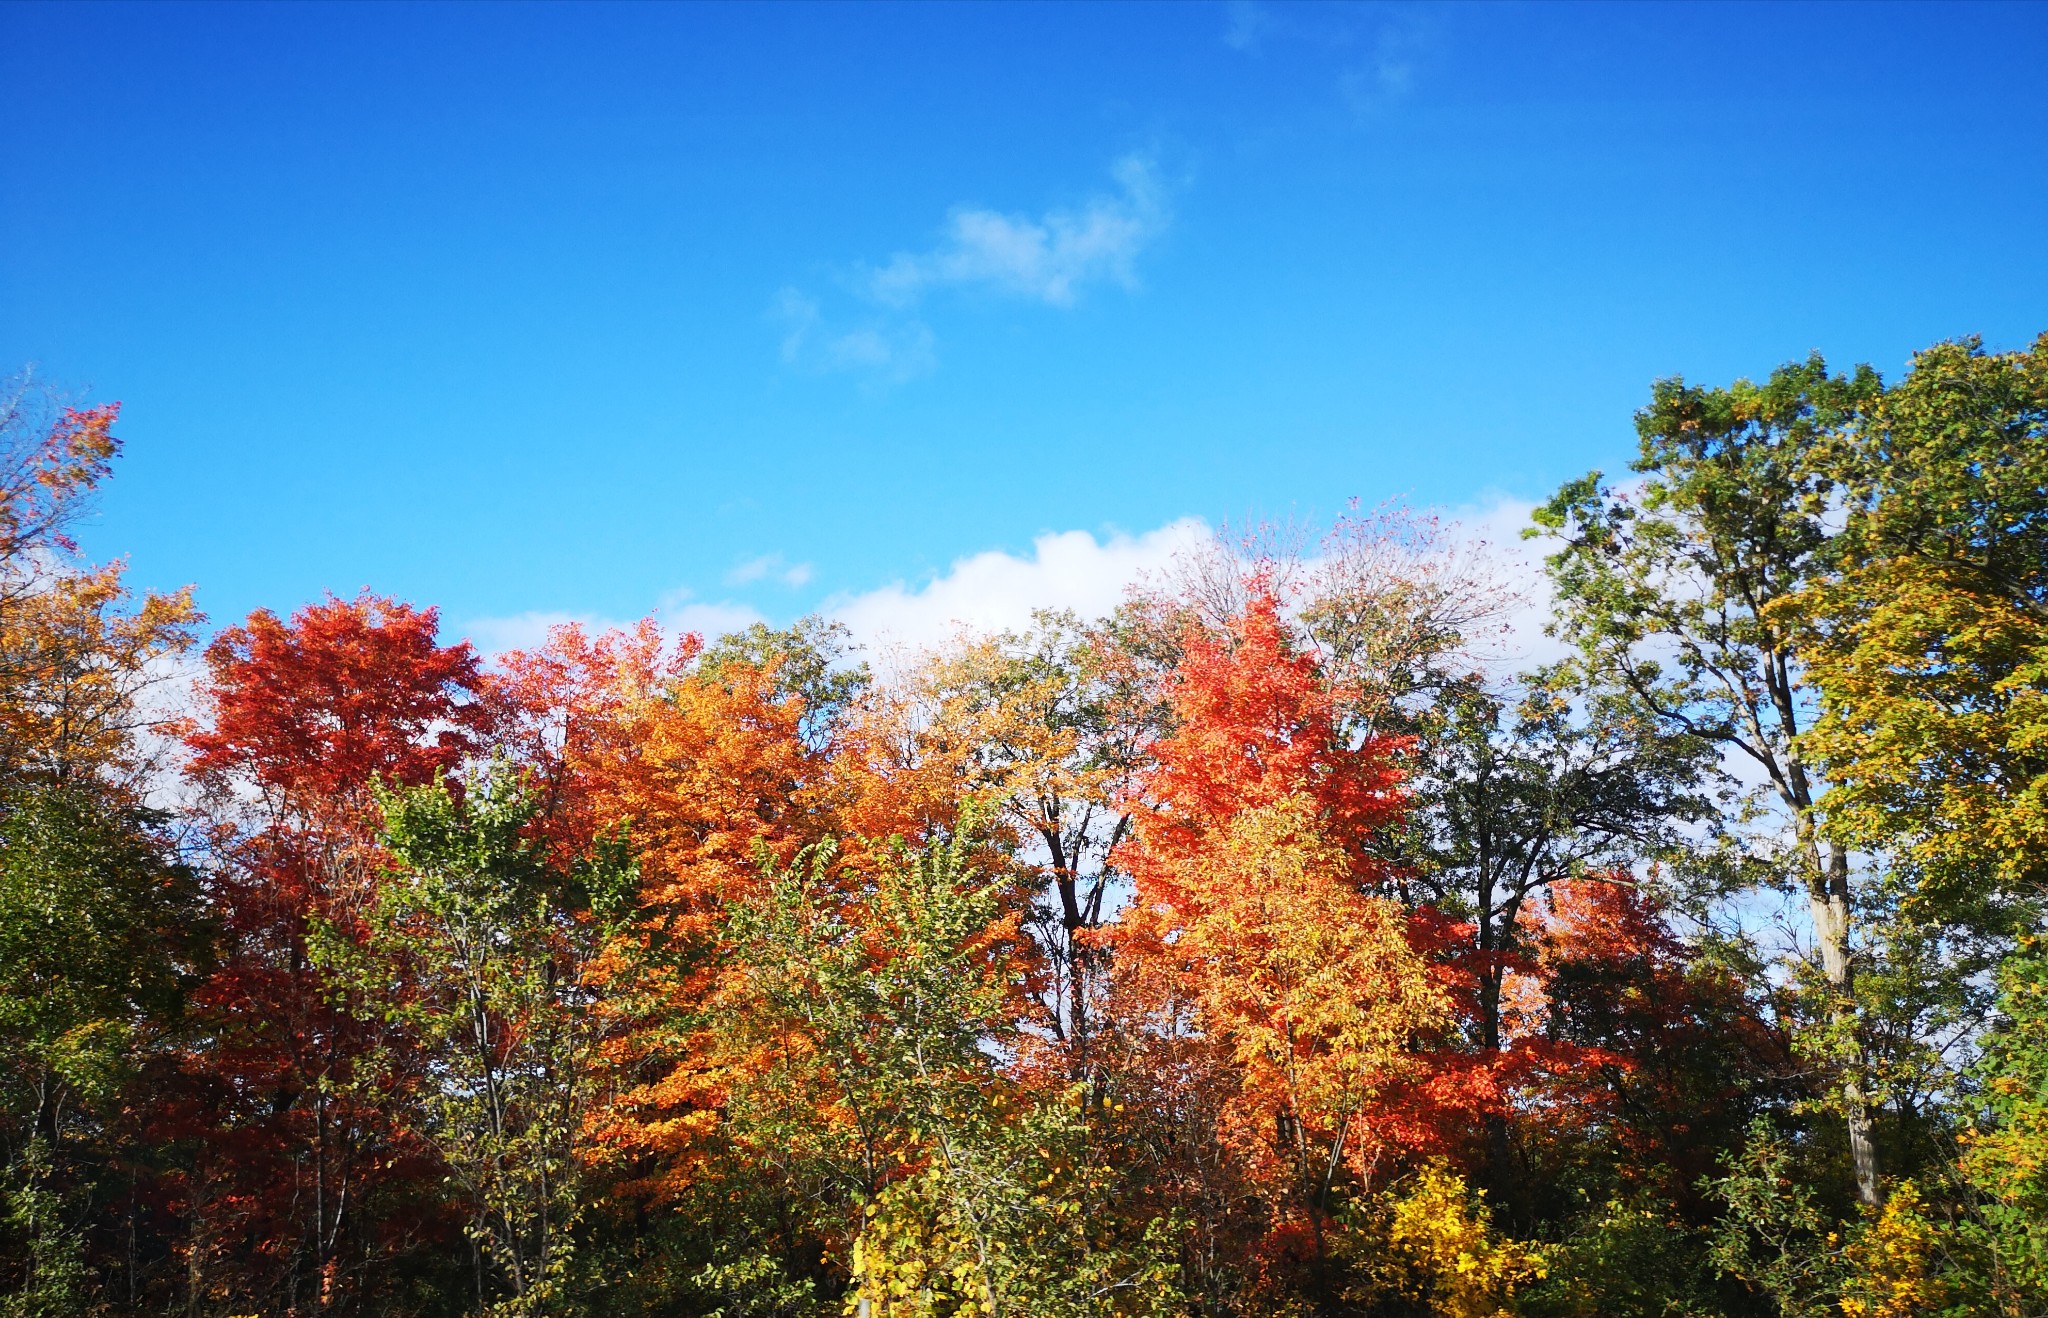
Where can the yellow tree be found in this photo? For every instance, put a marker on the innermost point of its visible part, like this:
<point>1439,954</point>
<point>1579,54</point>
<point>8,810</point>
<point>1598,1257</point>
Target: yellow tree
<point>1929,643</point>
<point>76,650</point>
<point>1311,988</point>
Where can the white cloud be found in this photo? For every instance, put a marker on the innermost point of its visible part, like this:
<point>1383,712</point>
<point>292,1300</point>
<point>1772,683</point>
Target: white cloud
<point>1051,259</point>
<point>888,349</point>
<point>1048,259</point>
<point>170,694</point>
<point>1494,526</point>
<point>770,566</point>
<point>993,591</point>
<point>988,591</point>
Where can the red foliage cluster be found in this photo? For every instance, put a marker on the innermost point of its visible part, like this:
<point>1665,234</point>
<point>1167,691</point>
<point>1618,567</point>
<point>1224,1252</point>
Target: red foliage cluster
<point>297,1135</point>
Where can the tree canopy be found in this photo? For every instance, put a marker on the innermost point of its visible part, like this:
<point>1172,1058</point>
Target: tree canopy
<point>1265,947</point>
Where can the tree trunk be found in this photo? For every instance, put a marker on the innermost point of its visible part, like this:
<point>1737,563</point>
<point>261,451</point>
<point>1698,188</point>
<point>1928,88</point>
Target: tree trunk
<point>1830,904</point>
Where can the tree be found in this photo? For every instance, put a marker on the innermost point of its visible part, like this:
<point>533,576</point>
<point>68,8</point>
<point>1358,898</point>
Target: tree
<point>1664,1049</point>
<point>1775,1234</point>
<point>875,994</point>
<point>1432,1244</point>
<point>51,461</point>
<point>1256,721</point>
<point>1512,799</point>
<point>305,1189</point>
<point>1054,723</point>
<point>1668,595</point>
<point>75,654</point>
<point>482,952</point>
<point>311,713</point>
<point>101,934</point>
<point>1929,638</point>
<point>1928,641</point>
<point>1310,988</point>
<point>1398,607</point>
<point>1268,1002</point>
<point>99,926</point>
<point>706,765</point>
<point>808,662</point>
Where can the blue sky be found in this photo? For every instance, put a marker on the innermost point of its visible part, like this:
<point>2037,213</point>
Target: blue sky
<point>587,311</point>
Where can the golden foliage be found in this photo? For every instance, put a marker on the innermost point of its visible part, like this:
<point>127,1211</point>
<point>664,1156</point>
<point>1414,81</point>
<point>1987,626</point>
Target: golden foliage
<point>74,656</point>
<point>1311,987</point>
<point>1892,1261</point>
<point>1435,1245</point>
<point>911,1259</point>
<point>75,650</point>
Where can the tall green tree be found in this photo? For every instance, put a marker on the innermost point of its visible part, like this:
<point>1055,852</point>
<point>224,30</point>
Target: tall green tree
<point>1667,591</point>
<point>100,932</point>
<point>478,947</point>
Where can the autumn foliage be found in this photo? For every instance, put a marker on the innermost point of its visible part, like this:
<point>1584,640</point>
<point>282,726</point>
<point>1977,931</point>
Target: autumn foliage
<point>309,712</point>
<point>1256,949</point>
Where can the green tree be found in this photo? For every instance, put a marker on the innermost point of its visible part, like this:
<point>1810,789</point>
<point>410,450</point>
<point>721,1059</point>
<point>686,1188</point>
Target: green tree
<point>1667,593</point>
<point>479,947</point>
<point>1776,1234</point>
<point>883,1000</point>
<point>811,659</point>
<point>1929,639</point>
<point>99,932</point>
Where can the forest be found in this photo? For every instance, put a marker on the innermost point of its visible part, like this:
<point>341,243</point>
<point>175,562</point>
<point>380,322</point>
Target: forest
<point>1274,945</point>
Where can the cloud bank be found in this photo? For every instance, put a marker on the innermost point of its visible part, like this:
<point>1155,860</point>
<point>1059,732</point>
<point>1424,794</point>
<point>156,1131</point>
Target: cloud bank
<point>994,591</point>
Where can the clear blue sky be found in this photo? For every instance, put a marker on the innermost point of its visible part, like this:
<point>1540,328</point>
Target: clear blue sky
<point>575,307</point>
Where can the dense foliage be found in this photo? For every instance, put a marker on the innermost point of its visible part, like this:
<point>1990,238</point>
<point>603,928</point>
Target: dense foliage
<point>1264,948</point>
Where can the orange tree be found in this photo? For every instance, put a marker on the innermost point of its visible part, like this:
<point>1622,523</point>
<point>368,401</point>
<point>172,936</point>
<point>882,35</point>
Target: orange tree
<point>1269,1003</point>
